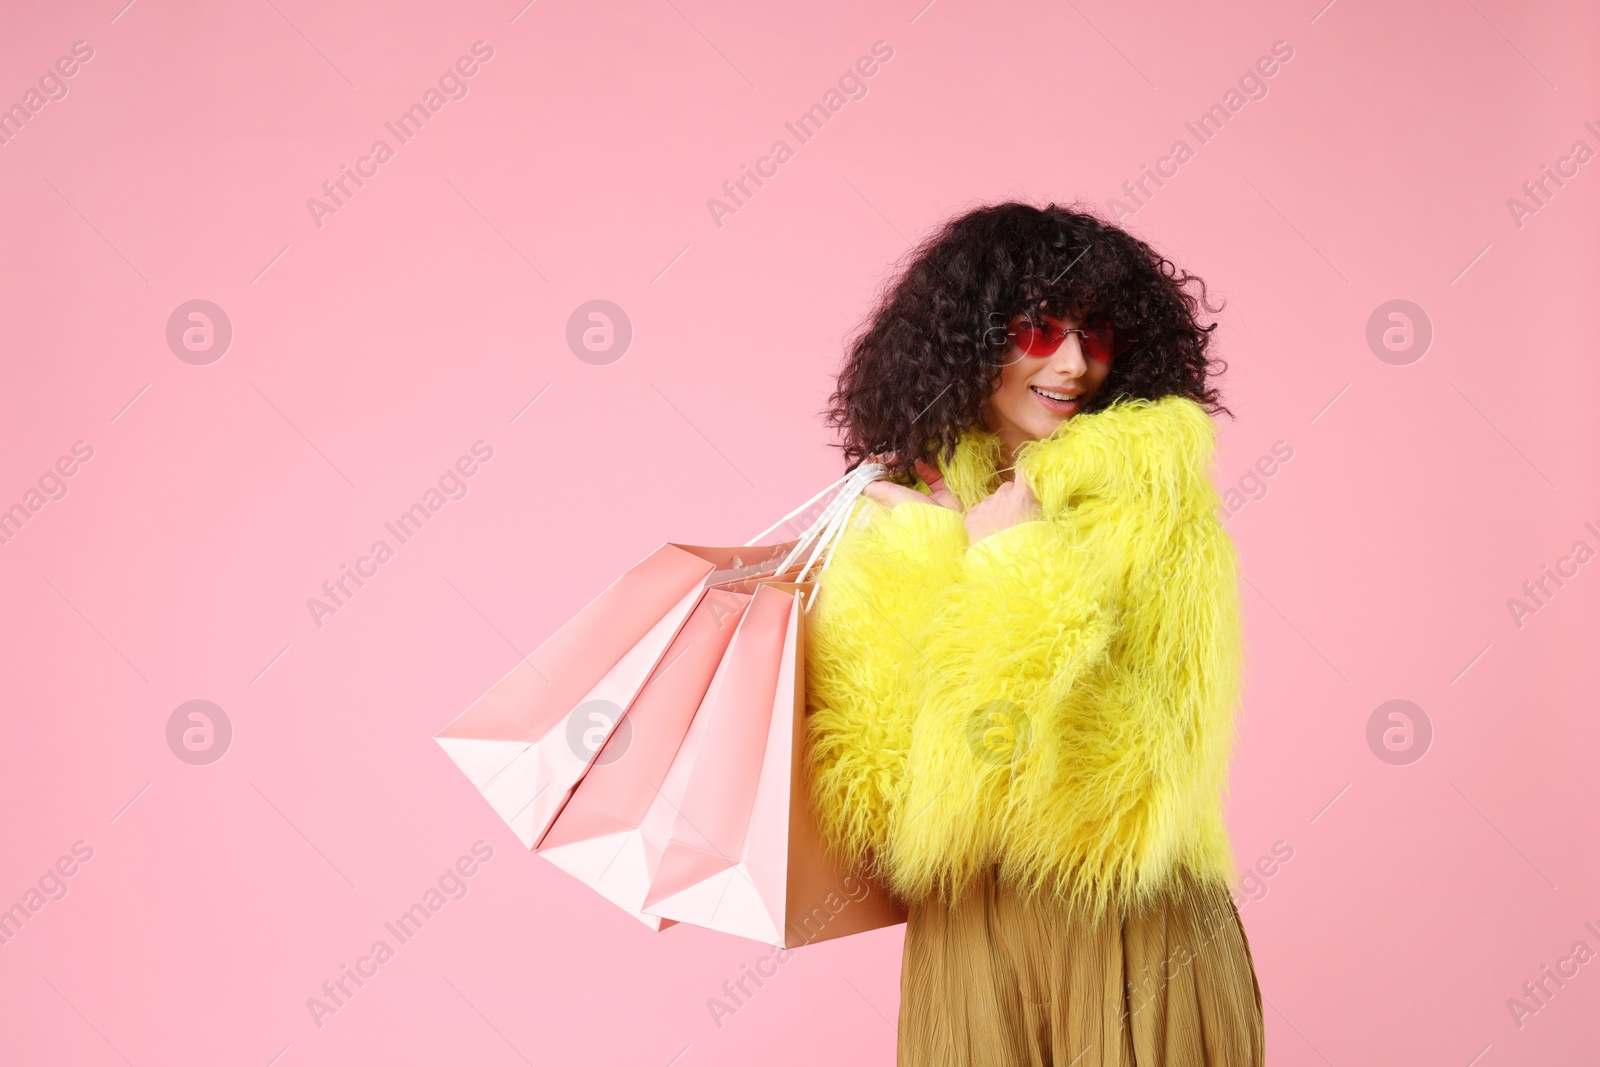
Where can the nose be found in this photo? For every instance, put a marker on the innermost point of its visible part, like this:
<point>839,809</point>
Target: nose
<point>1068,360</point>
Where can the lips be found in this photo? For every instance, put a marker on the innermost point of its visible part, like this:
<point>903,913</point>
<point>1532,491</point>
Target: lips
<point>1059,401</point>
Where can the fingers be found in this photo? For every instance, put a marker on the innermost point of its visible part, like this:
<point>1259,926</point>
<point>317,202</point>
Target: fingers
<point>1018,487</point>
<point>1023,499</point>
<point>937,490</point>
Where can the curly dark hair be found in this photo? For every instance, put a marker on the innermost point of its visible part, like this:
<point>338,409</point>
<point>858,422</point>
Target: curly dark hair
<point>918,375</point>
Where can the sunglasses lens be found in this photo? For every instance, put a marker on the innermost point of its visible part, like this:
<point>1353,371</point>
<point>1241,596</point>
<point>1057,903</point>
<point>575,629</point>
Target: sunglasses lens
<point>1028,336</point>
<point>1099,342</point>
<point>1037,338</point>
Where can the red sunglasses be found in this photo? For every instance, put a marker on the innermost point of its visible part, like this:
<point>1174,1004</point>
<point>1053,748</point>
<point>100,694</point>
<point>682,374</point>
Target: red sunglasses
<point>1100,340</point>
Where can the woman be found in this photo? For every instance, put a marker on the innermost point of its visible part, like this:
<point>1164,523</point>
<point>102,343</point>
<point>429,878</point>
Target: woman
<point>1023,667</point>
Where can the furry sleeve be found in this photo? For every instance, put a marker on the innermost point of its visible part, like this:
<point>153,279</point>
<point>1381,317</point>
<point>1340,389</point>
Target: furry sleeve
<point>1080,706</point>
<point>863,664</point>
<point>1025,629</point>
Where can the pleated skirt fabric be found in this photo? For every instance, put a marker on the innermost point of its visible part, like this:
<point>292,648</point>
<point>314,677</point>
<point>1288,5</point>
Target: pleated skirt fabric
<point>996,980</point>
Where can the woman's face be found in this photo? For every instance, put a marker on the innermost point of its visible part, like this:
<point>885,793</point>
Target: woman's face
<point>1037,393</point>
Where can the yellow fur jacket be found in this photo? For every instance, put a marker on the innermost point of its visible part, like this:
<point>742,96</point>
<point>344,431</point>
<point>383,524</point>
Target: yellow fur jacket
<point>1056,698</point>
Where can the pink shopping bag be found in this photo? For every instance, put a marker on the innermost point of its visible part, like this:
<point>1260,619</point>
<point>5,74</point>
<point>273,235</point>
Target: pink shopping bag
<point>597,837</point>
<point>697,772</point>
<point>528,741</point>
<point>736,835</point>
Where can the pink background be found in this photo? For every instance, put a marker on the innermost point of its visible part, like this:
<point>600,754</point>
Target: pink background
<point>431,309</point>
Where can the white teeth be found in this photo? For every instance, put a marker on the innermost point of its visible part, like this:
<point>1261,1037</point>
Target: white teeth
<point>1053,395</point>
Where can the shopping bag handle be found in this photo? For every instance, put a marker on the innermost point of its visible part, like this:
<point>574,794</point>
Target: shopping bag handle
<point>764,534</point>
<point>845,504</point>
<point>824,531</point>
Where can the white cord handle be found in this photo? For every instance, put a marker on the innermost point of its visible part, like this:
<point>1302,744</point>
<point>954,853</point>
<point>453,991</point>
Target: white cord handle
<point>826,528</point>
<point>770,529</point>
<point>826,523</point>
<point>835,528</point>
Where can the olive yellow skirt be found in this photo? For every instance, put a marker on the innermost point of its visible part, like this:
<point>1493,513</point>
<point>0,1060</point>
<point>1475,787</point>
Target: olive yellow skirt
<point>998,981</point>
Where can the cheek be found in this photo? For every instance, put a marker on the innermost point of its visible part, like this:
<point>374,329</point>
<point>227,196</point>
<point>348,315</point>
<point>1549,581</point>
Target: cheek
<point>1016,371</point>
<point>1011,385</point>
<point>1012,378</point>
<point>1014,365</point>
<point>1018,376</point>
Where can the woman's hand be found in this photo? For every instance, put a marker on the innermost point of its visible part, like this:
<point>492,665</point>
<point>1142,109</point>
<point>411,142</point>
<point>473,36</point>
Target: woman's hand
<point>940,494</point>
<point>1011,504</point>
<point>890,494</point>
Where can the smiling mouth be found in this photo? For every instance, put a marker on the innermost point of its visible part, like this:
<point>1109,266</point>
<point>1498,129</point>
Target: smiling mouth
<point>1057,400</point>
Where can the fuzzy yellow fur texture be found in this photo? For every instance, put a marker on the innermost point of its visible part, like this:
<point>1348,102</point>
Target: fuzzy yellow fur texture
<point>1057,698</point>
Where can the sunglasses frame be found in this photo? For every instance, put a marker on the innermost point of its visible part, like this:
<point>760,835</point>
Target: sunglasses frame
<point>1121,340</point>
